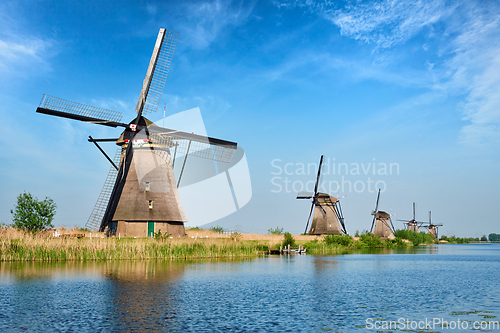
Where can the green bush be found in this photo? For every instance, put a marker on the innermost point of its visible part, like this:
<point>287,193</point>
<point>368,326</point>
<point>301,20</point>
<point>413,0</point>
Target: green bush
<point>399,242</point>
<point>371,241</point>
<point>194,228</point>
<point>344,240</point>
<point>236,236</point>
<point>416,238</point>
<point>276,231</point>
<point>217,229</point>
<point>288,239</point>
<point>159,236</point>
<point>261,247</point>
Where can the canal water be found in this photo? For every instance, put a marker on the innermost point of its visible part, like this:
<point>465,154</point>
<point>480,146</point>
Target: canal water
<point>414,290</point>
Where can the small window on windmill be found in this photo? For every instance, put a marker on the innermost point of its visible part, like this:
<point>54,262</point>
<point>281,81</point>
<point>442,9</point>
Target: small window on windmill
<point>150,204</point>
<point>147,186</point>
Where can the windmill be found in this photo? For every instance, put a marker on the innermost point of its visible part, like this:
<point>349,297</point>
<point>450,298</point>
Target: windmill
<point>328,217</point>
<point>382,224</point>
<point>140,195</point>
<point>432,228</point>
<point>413,224</point>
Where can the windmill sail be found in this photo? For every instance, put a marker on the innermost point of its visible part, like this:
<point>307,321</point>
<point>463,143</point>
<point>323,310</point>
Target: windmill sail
<point>305,195</point>
<point>413,224</point>
<point>432,228</point>
<point>63,108</point>
<point>195,145</point>
<point>97,214</point>
<point>157,73</point>
<point>161,71</point>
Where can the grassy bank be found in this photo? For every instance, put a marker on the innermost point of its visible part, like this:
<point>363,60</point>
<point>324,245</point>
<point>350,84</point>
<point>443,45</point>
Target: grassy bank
<point>333,244</point>
<point>61,249</point>
<point>16,245</point>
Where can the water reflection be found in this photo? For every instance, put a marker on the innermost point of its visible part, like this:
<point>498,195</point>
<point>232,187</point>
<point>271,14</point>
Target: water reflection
<point>273,294</point>
<point>142,293</point>
<point>120,294</point>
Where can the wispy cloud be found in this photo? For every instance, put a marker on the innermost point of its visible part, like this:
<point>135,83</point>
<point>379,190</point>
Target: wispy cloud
<point>112,104</point>
<point>20,52</point>
<point>475,69</point>
<point>14,55</point>
<point>211,106</point>
<point>465,63</point>
<point>208,19</point>
<point>385,23</point>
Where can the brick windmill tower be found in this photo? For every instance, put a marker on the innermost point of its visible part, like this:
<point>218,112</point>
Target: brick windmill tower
<point>328,217</point>
<point>382,224</point>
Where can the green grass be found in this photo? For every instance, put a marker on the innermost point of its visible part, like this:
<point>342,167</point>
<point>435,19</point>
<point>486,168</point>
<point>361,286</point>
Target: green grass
<point>57,249</point>
<point>332,244</point>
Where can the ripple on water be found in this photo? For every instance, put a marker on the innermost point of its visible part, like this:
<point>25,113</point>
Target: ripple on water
<point>272,294</point>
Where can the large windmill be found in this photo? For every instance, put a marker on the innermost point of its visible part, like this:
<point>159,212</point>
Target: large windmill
<point>413,224</point>
<point>140,194</point>
<point>432,228</point>
<point>328,217</point>
<point>382,224</point>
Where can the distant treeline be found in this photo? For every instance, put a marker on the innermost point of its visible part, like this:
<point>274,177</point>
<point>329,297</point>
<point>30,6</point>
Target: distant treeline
<point>459,240</point>
<point>494,237</point>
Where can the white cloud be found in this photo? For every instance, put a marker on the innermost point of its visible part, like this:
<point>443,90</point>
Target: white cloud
<point>21,53</point>
<point>211,106</point>
<point>16,56</point>
<point>467,62</point>
<point>208,19</point>
<point>476,68</point>
<point>385,23</point>
<point>113,104</point>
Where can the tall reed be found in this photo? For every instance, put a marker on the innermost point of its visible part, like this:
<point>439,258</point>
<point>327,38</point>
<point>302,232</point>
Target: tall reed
<point>33,248</point>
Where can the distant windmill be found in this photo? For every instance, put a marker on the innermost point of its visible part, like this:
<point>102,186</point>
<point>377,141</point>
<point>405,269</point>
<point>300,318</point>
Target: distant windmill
<point>413,224</point>
<point>328,217</point>
<point>382,223</point>
<point>140,195</point>
<point>432,228</point>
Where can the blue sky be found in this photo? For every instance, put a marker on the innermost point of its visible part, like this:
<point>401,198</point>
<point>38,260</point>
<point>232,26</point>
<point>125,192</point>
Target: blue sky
<point>411,83</point>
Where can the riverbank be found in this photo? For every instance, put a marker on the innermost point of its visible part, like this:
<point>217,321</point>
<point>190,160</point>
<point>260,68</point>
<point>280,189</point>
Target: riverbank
<point>18,246</point>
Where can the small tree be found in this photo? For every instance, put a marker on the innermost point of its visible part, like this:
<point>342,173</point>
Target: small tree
<point>484,239</point>
<point>33,215</point>
<point>288,240</point>
<point>276,231</point>
<point>218,229</point>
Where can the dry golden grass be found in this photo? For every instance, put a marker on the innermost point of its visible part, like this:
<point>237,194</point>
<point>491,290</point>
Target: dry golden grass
<point>20,246</point>
<point>258,237</point>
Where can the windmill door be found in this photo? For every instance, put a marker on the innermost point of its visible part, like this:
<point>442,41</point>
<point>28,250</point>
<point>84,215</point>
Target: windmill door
<point>151,229</point>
